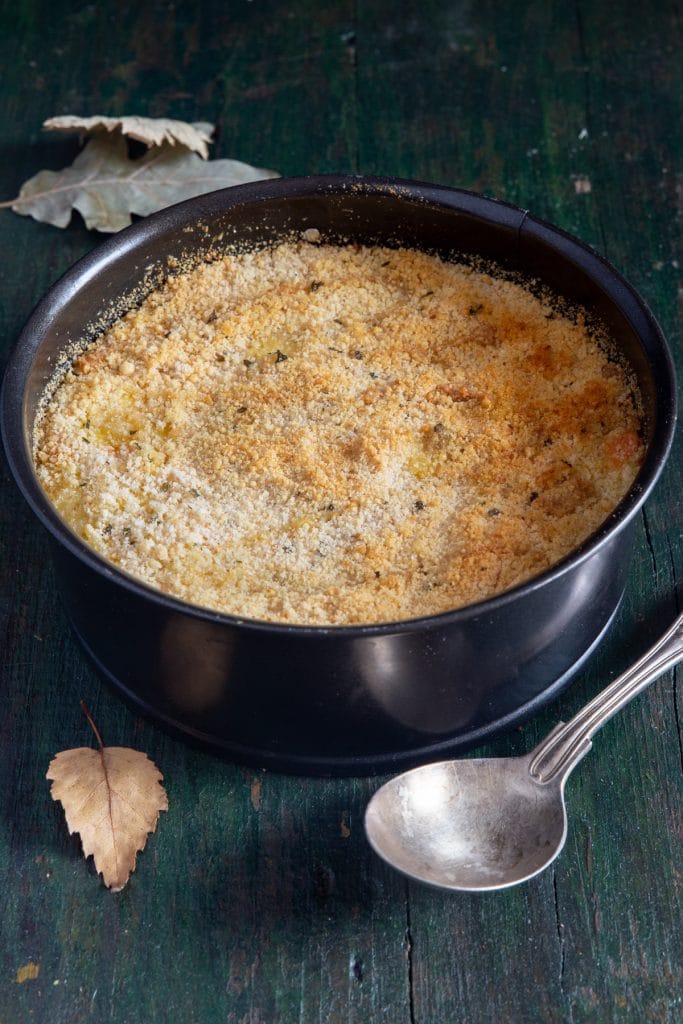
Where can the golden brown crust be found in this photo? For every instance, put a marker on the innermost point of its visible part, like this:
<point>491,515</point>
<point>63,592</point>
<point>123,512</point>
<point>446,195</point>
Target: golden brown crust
<point>316,434</point>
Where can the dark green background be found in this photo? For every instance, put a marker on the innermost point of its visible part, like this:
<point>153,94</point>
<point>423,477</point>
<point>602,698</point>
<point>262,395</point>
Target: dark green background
<point>258,901</point>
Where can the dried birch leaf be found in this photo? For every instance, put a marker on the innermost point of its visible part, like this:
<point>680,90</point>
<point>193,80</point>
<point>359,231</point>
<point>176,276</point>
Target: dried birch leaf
<point>153,131</point>
<point>112,797</point>
<point>106,186</point>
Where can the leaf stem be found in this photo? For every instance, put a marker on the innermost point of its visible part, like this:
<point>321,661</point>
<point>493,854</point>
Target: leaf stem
<point>86,712</point>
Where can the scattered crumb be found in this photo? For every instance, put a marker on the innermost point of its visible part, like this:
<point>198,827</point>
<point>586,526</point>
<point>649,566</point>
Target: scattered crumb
<point>29,972</point>
<point>255,794</point>
<point>582,186</point>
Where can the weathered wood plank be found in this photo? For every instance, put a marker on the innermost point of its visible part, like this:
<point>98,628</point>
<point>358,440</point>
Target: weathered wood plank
<point>543,105</point>
<point>258,899</point>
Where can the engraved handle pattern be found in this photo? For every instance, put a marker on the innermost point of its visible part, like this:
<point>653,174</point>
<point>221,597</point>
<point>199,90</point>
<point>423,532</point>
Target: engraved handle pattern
<point>564,747</point>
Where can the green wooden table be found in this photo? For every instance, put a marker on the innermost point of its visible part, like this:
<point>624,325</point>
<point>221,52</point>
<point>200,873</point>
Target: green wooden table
<point>258,900</point>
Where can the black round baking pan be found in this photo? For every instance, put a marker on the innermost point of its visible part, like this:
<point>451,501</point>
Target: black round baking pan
<point>356,699</point>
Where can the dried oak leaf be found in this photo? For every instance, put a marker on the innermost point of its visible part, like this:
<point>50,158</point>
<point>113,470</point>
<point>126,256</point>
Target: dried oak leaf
<point>106,186</point>
<point>112,797</point>
<point>153,131</point>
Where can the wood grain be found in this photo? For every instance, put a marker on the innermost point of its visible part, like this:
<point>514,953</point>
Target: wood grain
<point>258,899</point>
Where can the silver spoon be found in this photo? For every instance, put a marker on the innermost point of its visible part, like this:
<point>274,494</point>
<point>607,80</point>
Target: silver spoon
<point>489,823</point>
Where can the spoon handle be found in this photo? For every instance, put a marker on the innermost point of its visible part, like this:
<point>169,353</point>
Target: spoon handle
<point>564,747</point>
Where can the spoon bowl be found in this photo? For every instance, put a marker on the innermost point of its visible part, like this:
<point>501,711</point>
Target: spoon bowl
<point>489,823</point>
<point>471,825</point>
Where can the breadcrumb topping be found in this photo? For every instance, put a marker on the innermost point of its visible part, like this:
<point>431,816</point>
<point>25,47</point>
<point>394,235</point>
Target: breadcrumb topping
<point>323,434</point>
